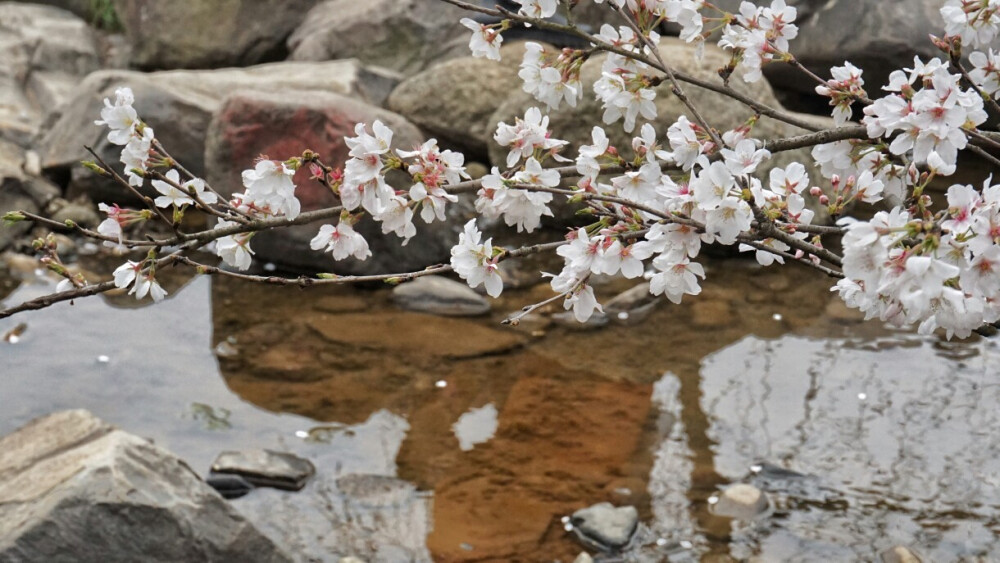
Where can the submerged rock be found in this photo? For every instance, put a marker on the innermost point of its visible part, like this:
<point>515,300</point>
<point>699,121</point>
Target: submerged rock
<point>74,488</point>
<point>266,468</point>
<point>439,295</point>
<point>606,525</point>
<point>631,306</point>
<point>742,501</point>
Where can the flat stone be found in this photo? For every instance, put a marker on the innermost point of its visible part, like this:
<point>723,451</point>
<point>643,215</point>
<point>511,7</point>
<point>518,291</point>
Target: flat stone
<point>741,501</point>
<point>584,557</point>
<point>229,485</point>
<point>606,524</point>
<point>266,468</point>
<point>439,295</point>
<point>74,488</point>
<point>416,333</point>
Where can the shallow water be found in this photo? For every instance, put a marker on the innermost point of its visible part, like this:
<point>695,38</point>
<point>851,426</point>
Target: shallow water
<point>863,437</point>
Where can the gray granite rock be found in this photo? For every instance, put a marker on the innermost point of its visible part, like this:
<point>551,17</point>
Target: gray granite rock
<point>75,489</point>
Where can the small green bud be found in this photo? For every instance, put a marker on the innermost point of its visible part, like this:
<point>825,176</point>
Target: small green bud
<point>94,167</point>
<point>12,217</point>
<point>327,276</point>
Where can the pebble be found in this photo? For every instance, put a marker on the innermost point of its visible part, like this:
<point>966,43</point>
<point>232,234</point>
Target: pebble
<point>438,295</point>
<point>584,557</point>
<point>350,559</point>
<point>266,468</point>
<point>32,163</point>
<point>899,554</point>
<point>606,524</point>
<point>741,501</point>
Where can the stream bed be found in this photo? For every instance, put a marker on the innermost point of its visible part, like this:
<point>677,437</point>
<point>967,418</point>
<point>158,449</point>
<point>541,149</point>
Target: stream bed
<point>459,439</point>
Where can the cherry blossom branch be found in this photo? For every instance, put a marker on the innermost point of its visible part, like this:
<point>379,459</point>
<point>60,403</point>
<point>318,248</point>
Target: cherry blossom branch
<point>144,198</point>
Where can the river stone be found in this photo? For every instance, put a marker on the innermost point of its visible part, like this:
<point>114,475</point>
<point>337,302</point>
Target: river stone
<point>402,35</point>
<point>415,333</point>
<point>179,106</point>
<point>584,557</point>
<point>282,125</point>
<point>74,488</point>
<point>439,295</point>
<point>266,468</point>
<point>568,320</point>
<point>606,524</point>
<point>208,33</point>
<point>741,501</point>
<point>899,554</point>
<point>475,88</point>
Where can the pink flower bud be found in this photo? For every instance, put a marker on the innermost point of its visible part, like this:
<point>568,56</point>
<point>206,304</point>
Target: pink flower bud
<point>815,191</point>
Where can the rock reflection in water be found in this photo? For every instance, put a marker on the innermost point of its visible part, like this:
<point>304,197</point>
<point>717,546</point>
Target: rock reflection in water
<point>901,441</point>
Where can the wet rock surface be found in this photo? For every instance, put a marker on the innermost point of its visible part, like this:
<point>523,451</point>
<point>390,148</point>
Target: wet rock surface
<point>741,501</point>
<point>73,488</point>
<point>266,468</point>
<point>607,525</point>
<point>439,295</point>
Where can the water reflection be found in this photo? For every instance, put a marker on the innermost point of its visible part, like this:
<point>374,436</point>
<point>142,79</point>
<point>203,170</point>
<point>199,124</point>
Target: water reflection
<point>864,438</point>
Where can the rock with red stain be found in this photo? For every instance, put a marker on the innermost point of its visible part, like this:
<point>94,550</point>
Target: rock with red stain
<point>179,106</point>
<point>283,125</point>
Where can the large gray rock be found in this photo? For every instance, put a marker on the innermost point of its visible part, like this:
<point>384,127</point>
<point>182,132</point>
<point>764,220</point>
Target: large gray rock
<point>179,106</point>
<point>208,33</point>
<point>73,488</point>
<point>403,35</point>
<point>41,48</point>
<point>455,100</point>
<point>282,125</point>
<point>874,35</point>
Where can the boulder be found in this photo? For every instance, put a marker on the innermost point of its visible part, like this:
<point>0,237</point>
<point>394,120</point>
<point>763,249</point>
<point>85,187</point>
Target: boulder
<point>73,488</point>
<point>208,33</point>
<point>37,45</point>
<point>575,124</point>
<point>403,35</point>
<point>874,35</point>
<point>439,295</point>
<point>455,100</point>
<point>179,106</point>
<point>282,125</point>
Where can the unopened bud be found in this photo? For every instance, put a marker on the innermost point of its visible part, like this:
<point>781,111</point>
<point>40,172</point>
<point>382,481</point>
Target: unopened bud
<point>94,167</point>
<point>823,200</point>
<point>323,276</point>
<point>12,217</point>
<point>815,191</point>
